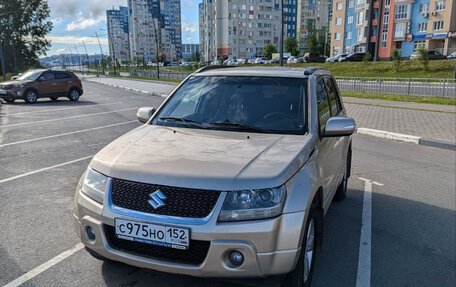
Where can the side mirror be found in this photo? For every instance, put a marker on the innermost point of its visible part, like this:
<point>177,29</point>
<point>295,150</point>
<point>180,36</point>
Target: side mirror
<point>339,127</point>
<point>14,78</point>
<point>145,113</point>
<point>41,79</point>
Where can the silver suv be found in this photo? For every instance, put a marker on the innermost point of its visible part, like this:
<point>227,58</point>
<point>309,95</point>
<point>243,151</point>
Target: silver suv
<point>230,177</point>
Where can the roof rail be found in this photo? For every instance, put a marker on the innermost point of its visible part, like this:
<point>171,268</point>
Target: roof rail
<point>310,70</point>
<point>208,68</point>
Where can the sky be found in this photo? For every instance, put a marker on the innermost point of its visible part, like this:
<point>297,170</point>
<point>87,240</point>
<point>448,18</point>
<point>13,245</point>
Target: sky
<point>77,21</point>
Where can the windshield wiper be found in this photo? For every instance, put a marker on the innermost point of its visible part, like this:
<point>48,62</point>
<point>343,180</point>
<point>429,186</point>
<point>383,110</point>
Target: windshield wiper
<point>183,120</point>
<point>240,126</point>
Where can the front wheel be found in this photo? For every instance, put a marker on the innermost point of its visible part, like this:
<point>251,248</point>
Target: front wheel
<point>74,95</point>
<point>301,276</point>
<point>30,97</point>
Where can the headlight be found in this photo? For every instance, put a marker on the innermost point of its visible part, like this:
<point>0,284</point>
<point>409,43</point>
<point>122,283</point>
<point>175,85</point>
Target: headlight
<point>18,86</point>
<point>94,185</point>
<point>253,204</point>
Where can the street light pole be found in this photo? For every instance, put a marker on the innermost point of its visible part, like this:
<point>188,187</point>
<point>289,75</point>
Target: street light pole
<point>2,60</point>
<point>281,34</point>
<point>87,55</point>
<point>79,59</point>
<point>101,50</point>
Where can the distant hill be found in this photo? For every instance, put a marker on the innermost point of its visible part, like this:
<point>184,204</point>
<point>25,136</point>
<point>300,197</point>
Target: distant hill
<point>69,59</point>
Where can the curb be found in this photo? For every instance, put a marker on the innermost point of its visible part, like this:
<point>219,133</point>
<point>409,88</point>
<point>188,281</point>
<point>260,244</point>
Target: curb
<point>130,89</point>
<point>407,138</point>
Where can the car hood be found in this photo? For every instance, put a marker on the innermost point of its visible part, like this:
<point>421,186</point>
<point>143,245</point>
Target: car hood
<point>203,159</point>
<point>10,83</point>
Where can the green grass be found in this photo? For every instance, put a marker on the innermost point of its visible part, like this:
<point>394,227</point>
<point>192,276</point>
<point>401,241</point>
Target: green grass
<point>408,69</point>
<point>149,79</point>
<point>402,98</point>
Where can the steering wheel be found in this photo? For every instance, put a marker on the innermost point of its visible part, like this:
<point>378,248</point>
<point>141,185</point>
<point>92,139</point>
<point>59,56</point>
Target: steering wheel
<point>278,114</point>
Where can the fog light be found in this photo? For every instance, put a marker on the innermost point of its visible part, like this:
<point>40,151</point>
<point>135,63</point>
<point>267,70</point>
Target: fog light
<point>18,93</point>
<point>91,234</point>
<point>236,258</point>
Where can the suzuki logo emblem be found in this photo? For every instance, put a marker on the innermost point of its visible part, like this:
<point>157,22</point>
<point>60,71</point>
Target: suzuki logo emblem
<point>157,198</point>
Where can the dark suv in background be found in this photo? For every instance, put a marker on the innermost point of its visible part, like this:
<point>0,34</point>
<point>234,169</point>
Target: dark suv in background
<point>355,57</point>
<point>42,83</point>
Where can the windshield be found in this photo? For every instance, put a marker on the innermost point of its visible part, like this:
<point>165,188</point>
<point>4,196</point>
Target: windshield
<point>255,104</point>
<point>29,76</point>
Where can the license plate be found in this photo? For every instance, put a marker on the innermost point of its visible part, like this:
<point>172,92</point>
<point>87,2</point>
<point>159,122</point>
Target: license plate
<point>2,92</point>
<point>162,235</point>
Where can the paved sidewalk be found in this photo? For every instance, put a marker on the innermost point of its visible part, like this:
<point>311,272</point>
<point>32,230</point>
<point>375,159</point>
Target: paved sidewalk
<point>398,117</point>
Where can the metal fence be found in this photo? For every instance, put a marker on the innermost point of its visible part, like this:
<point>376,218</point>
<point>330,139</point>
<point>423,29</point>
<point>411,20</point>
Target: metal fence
<point>445,88</point>
<point>163,74</point>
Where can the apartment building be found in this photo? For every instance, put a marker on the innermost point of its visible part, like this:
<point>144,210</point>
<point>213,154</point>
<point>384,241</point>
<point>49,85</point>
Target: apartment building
<point>189,51</point>
<point>312,19</point>
<point>405,25</point>
<point>241,28</point>
<point>151,19</point>
<point>118,34</point>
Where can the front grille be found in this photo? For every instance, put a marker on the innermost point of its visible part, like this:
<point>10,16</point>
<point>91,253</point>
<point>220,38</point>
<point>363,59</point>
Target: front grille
<point>181,202</point>
<point>195,254</point>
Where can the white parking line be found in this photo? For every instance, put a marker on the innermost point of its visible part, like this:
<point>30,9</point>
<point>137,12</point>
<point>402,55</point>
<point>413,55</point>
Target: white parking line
<point>62,109</point>
<point>67,118</point>
<point>43,267</point>
<point>363,277</point>
<point>66,134</point>
<point>44,169</point>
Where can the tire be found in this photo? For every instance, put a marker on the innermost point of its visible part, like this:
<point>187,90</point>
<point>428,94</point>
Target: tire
<point>31,97</point>
<point>74,95</point>
<point>96,255</point>
<point>54,98</point>
<point>341,192</point>
<point>10,100</point>
<point>301,276</point>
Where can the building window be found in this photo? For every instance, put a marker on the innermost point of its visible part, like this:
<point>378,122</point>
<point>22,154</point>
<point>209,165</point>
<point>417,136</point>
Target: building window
<point>399,30</point>
<point>359,4</point>
<point>348,35</point>
<point>438,25</point>
<point>351,3</point>
<point>337,36</point>
<point>422,27</point>
<point>440,5</point>
<point>359,18</point>
<point>339,6</point>
<point>424,8</point>
<point>350,19</point>
<point>401,12</point>
<point>336,50</point>
<point>360,34</point>
<point>338,21</point>
<point>419,44</point>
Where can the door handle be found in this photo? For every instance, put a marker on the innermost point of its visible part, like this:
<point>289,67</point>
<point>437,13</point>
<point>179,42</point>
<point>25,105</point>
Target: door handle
<point>53,84</point>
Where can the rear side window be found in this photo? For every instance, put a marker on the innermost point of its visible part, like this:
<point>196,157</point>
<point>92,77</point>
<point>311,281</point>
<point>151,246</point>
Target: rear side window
<point>48,75</point>
<point>61,76</point>
<point>333,97</point>
<point>322,105</point>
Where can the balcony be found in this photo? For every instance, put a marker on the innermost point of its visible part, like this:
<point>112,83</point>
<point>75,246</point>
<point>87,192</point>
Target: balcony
<point>376,5</point>
<point>374,22</point>
<point>373,39</point>
<point>359,6</point>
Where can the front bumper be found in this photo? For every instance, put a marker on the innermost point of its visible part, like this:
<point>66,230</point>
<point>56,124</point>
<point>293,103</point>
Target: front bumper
<point>270,247</point>
<point>10,94</point>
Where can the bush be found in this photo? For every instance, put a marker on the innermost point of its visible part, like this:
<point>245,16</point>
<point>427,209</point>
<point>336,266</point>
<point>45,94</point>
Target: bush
<point>269,49</point>
<point>423,57</point>
<point>396,56</point>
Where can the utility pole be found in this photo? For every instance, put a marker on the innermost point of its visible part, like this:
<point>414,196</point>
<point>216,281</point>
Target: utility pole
<point>113,47</point>
<point>281,34</point>
<point>156,43</point>
<point>2,60</point>
<point>79,59</point>
<point>101,50</point>
<point>87,55</point>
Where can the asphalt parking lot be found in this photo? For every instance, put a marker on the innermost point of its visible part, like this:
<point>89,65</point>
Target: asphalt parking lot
<point>45,147</point>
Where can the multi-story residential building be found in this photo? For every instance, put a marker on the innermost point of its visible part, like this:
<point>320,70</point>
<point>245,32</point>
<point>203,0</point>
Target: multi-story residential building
<point>118,34</point>
<point>202,32</point>
<point>189,51</point>
<point>290,14</point>
<point>149,19</point>
<point>405,25</point>
<point>242,28</point>
<point>312,19</point>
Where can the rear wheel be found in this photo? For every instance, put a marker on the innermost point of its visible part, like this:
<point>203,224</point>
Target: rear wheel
<point>30,97</point>
<point>301,276</point>
<point>74,95</point>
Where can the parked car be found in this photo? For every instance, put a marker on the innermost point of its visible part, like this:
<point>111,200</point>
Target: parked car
<point>354,57</point>
<point>336,58</point>
<point>42,83</point>
<point>314,58</point>
<point>452,55</point>
<point>232,185</point>
<point>251,61</point>
<point>299,60</point>
<point>291,60</point>
<point>260,60</point>
<point>432,55</point>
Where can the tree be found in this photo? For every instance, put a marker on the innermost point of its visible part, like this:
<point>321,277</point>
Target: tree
<point>396,56</point>
<point>367,57</point>
<point>23,27</point>
<point>197,57</point>
<point>269,49</point>
<point>313,44</point>
<point>291,46</point>
<point>423,57</point>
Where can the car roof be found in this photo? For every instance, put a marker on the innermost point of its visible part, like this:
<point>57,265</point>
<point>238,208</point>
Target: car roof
<point>285,72</point>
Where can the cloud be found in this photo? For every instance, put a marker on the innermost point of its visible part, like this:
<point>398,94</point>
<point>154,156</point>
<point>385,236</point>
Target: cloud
<point>57,21</point>
<point>189,27</point>
<point>189,4</point>
<point>72,40</point>
<point>83,23</point>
